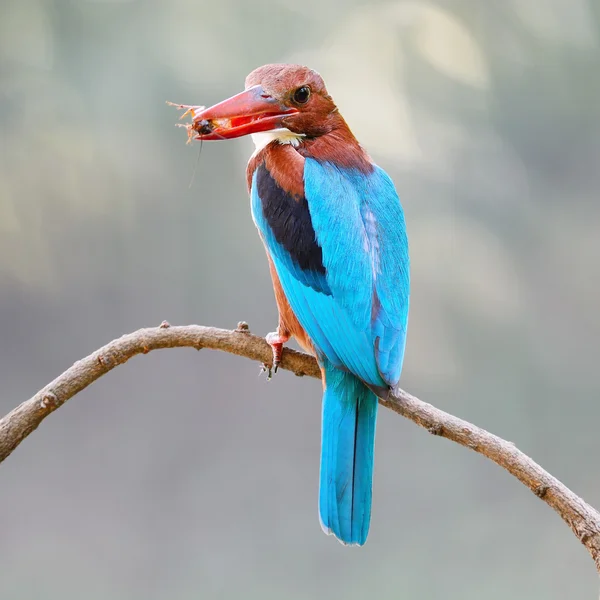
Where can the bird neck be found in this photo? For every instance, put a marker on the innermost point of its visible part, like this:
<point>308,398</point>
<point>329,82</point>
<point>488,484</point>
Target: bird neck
<point>339,147</point>
<point>284,154</point>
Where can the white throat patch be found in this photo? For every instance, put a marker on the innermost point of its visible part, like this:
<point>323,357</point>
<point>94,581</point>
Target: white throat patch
<point>283,136</point>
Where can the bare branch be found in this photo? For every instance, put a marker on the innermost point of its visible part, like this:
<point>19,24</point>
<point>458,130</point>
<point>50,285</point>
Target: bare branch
<point>582,518</point>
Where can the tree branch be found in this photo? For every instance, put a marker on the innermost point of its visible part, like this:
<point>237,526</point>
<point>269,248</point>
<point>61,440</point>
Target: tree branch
<point>582,518</point>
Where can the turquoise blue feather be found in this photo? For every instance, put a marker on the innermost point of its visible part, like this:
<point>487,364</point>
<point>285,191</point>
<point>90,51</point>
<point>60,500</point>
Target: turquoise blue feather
<point>347,445</point>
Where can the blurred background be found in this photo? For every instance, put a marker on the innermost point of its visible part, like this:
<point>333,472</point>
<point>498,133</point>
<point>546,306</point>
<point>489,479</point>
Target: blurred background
<point>185,474</point>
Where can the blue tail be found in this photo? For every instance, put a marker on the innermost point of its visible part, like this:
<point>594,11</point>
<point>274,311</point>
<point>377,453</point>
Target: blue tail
<point>347,445</point>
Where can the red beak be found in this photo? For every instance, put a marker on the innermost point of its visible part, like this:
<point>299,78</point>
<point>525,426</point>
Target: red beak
<point>250,111</point>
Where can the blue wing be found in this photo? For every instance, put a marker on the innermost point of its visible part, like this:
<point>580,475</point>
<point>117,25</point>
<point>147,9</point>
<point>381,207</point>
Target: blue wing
<point>354,305</point>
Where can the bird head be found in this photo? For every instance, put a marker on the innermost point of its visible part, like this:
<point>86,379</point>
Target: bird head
<point>286,100</point>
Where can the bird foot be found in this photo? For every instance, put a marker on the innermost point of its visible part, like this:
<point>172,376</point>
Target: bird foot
<point>276,340</point>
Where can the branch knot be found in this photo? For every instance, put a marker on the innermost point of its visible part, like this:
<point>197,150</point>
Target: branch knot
<point>436,429</point>
<point>49,401</point>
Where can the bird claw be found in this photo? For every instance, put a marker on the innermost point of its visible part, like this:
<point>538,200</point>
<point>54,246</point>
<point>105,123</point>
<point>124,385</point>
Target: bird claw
<point>276,340</point>
<point>264,368</point>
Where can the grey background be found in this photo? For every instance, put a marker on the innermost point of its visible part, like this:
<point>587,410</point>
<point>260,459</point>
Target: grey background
<point>184,474</point>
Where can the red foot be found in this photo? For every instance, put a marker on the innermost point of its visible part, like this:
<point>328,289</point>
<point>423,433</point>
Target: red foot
<point>276,340</point>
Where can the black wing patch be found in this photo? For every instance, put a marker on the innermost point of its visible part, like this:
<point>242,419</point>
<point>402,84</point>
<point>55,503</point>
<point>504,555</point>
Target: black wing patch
<point>289,220</point>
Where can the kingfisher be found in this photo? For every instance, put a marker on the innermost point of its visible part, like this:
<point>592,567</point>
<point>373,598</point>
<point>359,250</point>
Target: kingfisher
<point>335,237</point>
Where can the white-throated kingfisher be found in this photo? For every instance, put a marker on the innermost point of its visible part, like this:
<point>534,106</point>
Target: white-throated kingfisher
<point>334,232</point>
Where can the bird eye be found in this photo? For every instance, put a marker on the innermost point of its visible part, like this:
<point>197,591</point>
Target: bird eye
<point>302,94</point>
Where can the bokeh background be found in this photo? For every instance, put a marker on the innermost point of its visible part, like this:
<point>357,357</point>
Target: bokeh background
<point>184,474</point>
